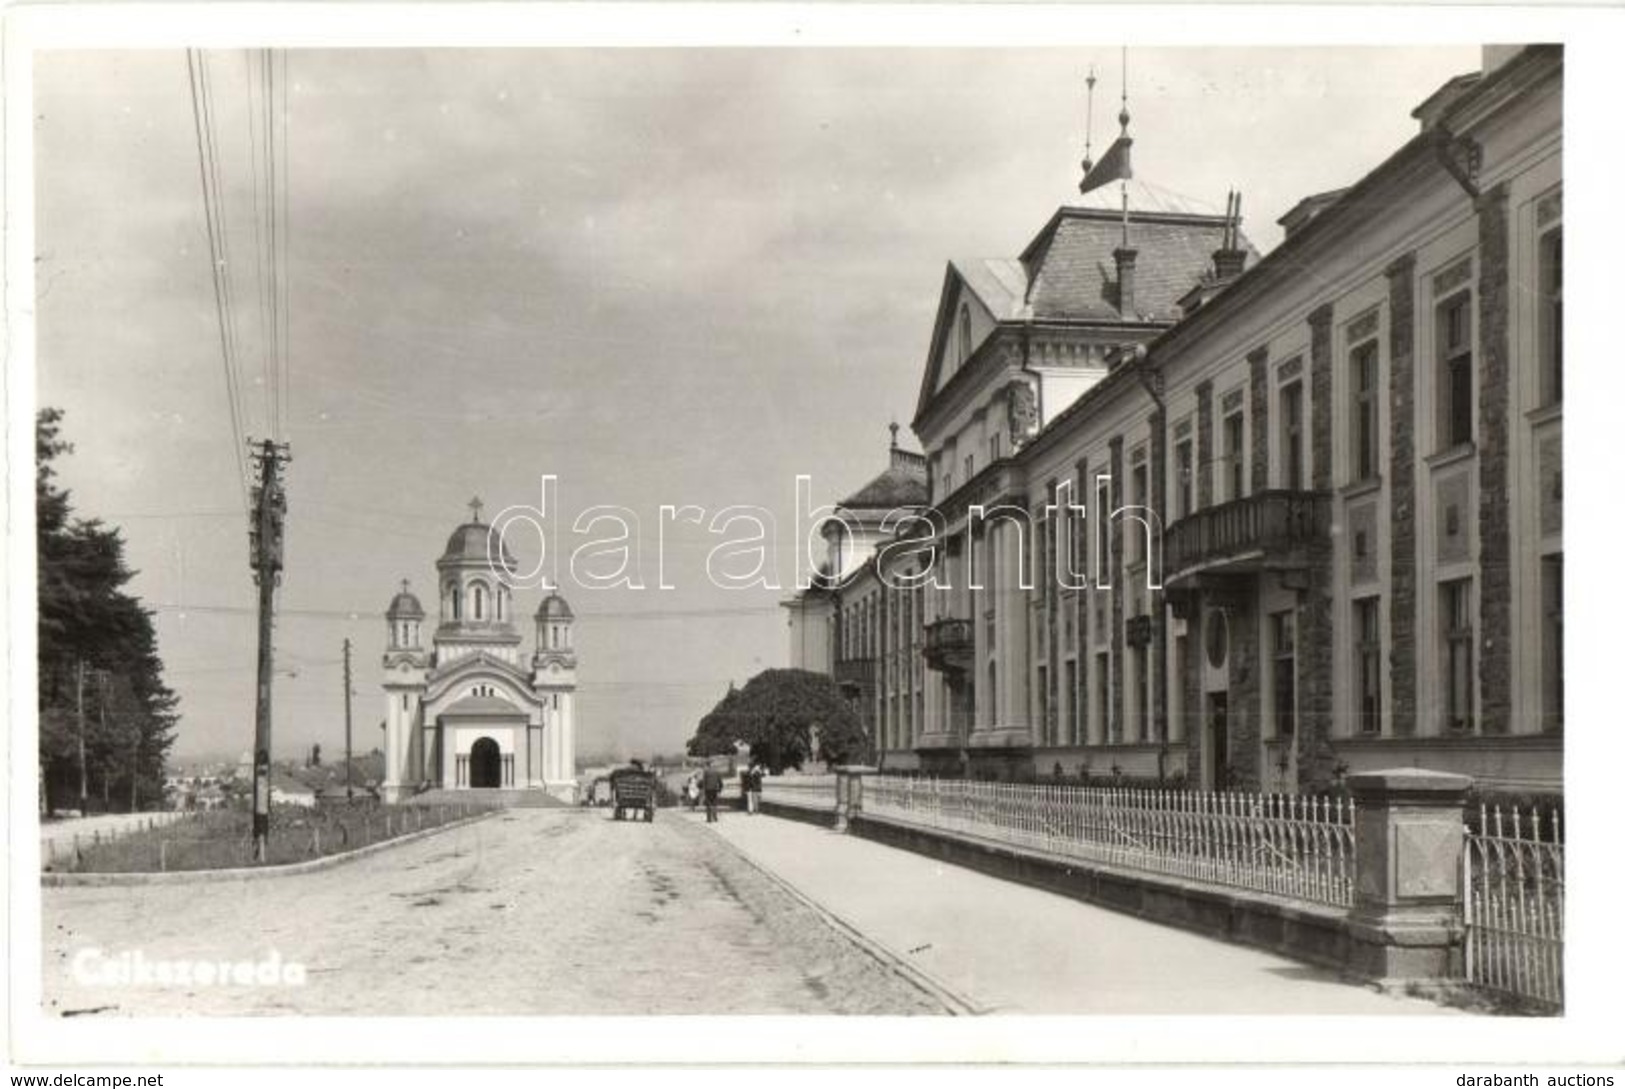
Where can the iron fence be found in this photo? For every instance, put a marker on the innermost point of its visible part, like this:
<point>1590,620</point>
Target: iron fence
<point>1512,903</point>
<point>1285,845</point>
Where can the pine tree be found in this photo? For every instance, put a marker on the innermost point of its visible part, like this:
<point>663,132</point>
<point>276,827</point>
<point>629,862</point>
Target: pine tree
<point>86,620</point>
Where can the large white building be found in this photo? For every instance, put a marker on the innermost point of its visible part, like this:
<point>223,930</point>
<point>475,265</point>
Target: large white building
<point>1352,447</point>
<point>473,713</point>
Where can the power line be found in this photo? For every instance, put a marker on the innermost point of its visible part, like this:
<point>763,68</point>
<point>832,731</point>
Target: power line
<point>373,614</point>
<point>193,64</point>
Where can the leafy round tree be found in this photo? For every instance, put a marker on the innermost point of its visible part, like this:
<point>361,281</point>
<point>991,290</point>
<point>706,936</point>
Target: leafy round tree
<point>785,716</point>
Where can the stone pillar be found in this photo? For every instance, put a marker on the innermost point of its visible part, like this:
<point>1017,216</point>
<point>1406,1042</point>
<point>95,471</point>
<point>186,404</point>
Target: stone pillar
<point>1494,464</point>
<point>1246,711</point>
<point>1084,602</point>
<point>1315,637</point>
<point>1406,921</point>
<point>1119,659</point>
<point>1258,361</point>
<point>1402,492</point>
<point>1157,606</point>
<point>849,792</point>
<point>1204,444</point>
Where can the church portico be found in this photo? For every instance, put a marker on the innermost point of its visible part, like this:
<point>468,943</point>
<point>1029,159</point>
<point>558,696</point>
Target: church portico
<point>468,714</point>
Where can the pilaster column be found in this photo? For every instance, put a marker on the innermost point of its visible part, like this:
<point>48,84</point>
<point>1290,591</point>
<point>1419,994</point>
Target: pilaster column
<point>1402,492</point>
<point>1258,375</point>
<point>1494,463</point>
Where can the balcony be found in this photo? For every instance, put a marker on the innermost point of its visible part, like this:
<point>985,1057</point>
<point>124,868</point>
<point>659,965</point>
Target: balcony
<point>1270,531</point>
<point>950,645</point>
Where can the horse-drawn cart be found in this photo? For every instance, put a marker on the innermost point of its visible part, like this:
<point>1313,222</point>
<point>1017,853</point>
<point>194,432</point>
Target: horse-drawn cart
<point>634,793</point>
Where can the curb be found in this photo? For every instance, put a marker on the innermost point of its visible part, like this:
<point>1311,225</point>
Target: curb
<point>956,1004</point>
<point>249,873</point>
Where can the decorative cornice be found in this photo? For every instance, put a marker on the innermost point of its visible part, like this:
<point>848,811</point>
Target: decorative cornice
<point>1403,265</point>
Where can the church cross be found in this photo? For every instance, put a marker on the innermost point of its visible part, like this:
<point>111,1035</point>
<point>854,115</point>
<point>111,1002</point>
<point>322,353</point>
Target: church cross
<point>475,506</point>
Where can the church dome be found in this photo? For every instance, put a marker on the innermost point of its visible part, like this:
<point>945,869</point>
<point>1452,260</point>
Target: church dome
<point>405,606</point>
<point>554,607</point>
<point>470,542</point>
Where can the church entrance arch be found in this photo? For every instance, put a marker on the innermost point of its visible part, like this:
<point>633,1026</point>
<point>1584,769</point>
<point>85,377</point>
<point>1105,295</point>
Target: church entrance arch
<point>485,764</point>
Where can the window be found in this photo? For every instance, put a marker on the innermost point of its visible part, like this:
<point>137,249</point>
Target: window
<point>1284,629</point>
<point>992,694</point>
<point>1551,317</point>
<point>1235,434</point>
<point>479,602</point>
<point>1292,436</point>
<point>1363,406</point>
<point>1103,533</point>
<point>1456,620</point>
<point>1043,705</point>
<point>964,333</point>
<point>1074,720</point>
<point>1141,497</point>
<point>1455,383</point>
<point>1142,667</point>
<point>995,446</point>
<point>1183,467</point>
<point>948,483</point>
<point>1098,700</point>
<point>1551,643</point>
<point>456,604</point>
<point>1368,664</point>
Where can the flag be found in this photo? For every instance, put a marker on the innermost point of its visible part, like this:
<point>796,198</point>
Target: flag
<point>1112,166</point>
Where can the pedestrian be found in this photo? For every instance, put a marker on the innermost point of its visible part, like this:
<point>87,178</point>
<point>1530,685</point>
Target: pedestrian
<point>753,784</point>
<point>691,791</point>
<point>711,786</point>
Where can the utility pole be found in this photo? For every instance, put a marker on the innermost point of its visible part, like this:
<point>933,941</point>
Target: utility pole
<point>265,557</point>
<point>84,775</point>
<point>349,789</point>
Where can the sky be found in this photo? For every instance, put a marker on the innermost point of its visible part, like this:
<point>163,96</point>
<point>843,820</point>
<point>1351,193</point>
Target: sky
<point>662,276</point>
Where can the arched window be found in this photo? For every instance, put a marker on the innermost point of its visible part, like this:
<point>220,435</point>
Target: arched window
<point>964,332</point>
<point>500,596</point>
<point>456,604</point>
<point>479,602</point>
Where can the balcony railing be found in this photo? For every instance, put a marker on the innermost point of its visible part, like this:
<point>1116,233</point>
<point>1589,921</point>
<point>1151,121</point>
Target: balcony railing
<point>950,645</point>
<point>1269,529</point>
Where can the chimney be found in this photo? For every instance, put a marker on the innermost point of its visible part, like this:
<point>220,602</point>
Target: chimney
<point>1230,258</point>
<point>1227,264</point>
<point>1125,280</point>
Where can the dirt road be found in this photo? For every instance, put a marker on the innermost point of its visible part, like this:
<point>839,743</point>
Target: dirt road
<point>534,911</point>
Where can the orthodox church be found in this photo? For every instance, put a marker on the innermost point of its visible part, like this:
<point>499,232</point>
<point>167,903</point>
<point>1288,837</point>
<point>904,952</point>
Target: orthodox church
<point>473,713</point>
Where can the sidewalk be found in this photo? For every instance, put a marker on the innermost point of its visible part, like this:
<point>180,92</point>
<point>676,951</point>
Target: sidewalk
<point>1008,948</point>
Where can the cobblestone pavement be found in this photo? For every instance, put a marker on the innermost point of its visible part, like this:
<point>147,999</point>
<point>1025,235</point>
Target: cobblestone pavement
<point>530,912</point>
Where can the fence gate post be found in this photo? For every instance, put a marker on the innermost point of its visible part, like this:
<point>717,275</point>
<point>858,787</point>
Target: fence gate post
<point>849,792</point>
<point>1406,923</point>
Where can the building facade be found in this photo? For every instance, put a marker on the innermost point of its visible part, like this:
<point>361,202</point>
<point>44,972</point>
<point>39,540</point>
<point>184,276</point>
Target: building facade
<point>473,713</point>
<point>1250,522</point>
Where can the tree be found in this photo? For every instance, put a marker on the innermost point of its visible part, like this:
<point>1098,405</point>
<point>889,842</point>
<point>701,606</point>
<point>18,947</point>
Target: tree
<point>778,714</point>
<point>90,629</point>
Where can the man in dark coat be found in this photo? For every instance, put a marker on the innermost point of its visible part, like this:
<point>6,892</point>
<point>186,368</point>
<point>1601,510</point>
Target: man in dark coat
<point>711,786</point>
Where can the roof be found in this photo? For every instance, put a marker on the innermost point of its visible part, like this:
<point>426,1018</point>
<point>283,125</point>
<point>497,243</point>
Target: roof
<point>1072,268</point>
<point>405,604</point>
<point>471,541</point>
<point>901,485</point>
<point>553,607</point>
<point>482,706</point>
